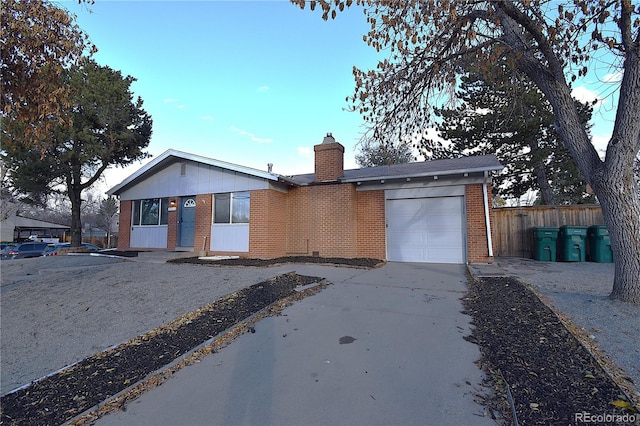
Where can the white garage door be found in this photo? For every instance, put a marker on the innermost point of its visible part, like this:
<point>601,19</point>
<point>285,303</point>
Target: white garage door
<point>426,230</point>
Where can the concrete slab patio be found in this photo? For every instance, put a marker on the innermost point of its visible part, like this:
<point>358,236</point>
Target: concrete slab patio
<point>381,346</point>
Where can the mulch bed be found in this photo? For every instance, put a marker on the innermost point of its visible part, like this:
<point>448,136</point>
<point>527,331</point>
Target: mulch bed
<point>551,376</point>
<point>64,395</point>
<point>356,262</point>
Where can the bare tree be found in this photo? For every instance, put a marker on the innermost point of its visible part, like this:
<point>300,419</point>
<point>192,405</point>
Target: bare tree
<point>374,153</point>
<point>106,212</point>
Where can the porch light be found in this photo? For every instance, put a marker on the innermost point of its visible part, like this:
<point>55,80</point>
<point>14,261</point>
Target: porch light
<point>172,203</point>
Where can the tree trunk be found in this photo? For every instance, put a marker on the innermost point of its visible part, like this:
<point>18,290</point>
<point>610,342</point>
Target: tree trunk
<point>74,191</point>
<point>546,192</point>
<point>621,213</point>
<point>76,222</point>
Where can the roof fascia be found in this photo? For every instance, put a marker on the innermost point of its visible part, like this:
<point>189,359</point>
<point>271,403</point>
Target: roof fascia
<point>427,174</point>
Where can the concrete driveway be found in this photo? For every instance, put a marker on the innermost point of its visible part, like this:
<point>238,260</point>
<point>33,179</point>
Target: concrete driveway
<point>382,346</point>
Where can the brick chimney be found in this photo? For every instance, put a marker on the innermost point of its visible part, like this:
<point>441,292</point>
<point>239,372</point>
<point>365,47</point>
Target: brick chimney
<point>329,160</point>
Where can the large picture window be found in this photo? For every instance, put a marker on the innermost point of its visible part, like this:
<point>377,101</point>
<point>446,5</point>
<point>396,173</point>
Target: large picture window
<point>152,211</point>
<point>231,207</point>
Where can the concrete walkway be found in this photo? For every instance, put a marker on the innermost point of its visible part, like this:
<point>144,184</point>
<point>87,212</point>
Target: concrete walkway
<point>381,346</point>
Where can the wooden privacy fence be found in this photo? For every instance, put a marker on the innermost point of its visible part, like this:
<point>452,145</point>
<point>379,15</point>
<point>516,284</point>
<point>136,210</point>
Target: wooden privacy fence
<point>512,226</point>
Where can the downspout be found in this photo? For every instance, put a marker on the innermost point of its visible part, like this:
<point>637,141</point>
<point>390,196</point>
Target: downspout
<point>486,214</point>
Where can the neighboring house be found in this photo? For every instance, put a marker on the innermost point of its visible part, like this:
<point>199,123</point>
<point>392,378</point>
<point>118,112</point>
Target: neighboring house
<point>18,228</point>
<point>433,211</point>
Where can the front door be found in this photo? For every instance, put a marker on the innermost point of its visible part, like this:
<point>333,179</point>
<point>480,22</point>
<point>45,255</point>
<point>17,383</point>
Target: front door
<point>187,221</point>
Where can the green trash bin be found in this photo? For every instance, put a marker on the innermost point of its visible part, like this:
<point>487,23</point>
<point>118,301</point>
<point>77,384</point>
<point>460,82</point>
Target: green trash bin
<point>544,244</point>
<point>572,243</point>
<point>599,244</point>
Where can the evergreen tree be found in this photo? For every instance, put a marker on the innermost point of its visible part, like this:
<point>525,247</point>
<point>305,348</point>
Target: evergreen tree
<point>109,128</point>
<point>513,120</point>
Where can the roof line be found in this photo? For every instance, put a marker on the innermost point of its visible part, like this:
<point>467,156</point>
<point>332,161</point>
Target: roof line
<point>418,175</point>
<point>192,157</point>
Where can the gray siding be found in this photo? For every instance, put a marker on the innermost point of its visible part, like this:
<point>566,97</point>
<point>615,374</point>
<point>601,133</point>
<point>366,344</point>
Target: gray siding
<point>197,179</point>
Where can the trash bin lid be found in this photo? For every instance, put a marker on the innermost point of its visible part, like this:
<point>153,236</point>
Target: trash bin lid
<point>598,231</point>
<point>573,230</point>
<point>540,231</point>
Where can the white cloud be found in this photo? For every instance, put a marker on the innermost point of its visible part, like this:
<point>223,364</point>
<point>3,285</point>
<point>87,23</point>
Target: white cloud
<point>304,151</point>
<point>613,78</point>
<point>174,101</point>
<point>600,144</point>
<point>263,89</point>
<point>585,95</point>
<point>253,137</point>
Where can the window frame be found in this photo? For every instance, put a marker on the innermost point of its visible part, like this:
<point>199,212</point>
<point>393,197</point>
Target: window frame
<point>162,213</point>
<point>232,196</point>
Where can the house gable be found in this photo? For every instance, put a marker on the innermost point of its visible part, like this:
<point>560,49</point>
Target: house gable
<point>191,178</point>
<point>176,173</point>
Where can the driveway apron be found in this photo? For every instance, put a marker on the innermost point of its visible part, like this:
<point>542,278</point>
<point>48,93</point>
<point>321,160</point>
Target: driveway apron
<point>381,346</point>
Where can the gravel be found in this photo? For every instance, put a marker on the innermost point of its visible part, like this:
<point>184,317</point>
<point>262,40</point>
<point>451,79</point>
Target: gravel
<point>580,291</point>
<point>58,310</point>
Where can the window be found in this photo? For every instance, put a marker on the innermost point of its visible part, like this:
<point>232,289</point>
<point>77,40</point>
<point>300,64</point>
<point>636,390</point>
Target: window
<point>231,207</point>
<point>152,211</point>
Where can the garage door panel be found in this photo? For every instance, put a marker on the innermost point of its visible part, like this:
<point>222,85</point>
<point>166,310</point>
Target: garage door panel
<point>426,230</point>
<point>410,238</point>
<point>442,205</point>
<point>445,238</point>
<point>407,252</point>
<point>443,255</point>
<point>443,222</point>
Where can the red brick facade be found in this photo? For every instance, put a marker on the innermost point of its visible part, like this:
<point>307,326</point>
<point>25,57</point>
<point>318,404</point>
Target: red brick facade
<point>329,161</point>
<point>370,222</point>
<point>204,218</point>
<point>328,220</point>
<point>477,247</point>
<point>124,225</point>
<point>322,221</point>
<point>268,224</point>
<point>172,226</point>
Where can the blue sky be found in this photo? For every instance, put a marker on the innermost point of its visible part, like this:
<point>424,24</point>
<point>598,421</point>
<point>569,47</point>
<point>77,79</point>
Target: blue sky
<point>247,82</point>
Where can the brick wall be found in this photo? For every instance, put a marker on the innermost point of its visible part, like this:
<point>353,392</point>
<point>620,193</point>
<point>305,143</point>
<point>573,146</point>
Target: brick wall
<point>267,224</point>
<point>124,227</point>
<point>172,226</point>
<point>299,224</point>
<point>477,249</point>
<point>329,161</point>
<point>332,220</point>
<point>370,219</point>
<point>202,233</point>
<point>322,219</point>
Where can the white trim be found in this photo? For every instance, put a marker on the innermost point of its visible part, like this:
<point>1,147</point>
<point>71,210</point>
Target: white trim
<point>438,191</point>
<point>433,174</point>
<point>487,220</point>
